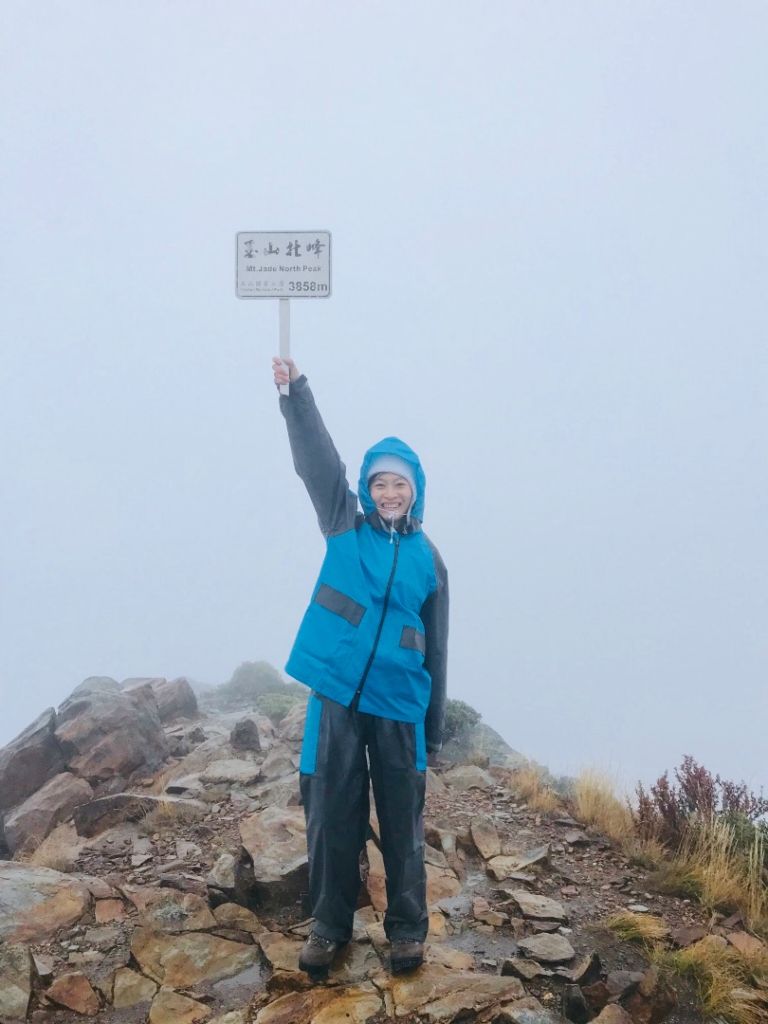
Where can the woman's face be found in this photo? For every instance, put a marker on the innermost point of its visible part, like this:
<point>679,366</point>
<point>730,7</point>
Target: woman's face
<point>392,495</point>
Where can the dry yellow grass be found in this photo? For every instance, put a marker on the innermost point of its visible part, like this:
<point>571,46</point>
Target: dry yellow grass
<point>725,980</point>
<point>169,815</point>
<point>595,803</point>
<point>528,784</point>
<point>711,855</point>
<point>632,927</point>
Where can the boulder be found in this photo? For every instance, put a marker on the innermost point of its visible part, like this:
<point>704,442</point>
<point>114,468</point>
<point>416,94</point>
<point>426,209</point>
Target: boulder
<point>15,981</point>
<point>275,840</point>
<point>27,762</point>
<point>245,735</point>
<point>175,697</point>
<point>186,960</point>
<point>468,776</point>
<point>41,812</point>
<point>36,902</point>
<point>106,733</point>
<point>232,770</point>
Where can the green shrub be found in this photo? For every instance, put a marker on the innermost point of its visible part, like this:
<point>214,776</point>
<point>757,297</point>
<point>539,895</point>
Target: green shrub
<point>459,719</point>
<point>276,705</point>
<point>251,680</point>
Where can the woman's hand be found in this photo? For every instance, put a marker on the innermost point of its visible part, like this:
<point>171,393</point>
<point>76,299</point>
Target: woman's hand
<point>284,369</point>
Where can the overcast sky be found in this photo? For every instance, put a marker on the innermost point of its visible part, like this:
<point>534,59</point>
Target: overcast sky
<point>550,232</point>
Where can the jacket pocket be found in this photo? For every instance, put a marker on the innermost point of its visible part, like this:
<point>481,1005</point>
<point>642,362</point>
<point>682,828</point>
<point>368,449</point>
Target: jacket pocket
<point>413,640</point>
<point>338,603</point>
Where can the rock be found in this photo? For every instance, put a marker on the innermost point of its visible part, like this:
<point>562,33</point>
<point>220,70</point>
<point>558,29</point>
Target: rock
<point>585,972</point>
<point>105,733</point>
<point>275,839</point>
<point>525,969</point>
<point>245,735</point>
<point>746,944</point>
<point>29,761</point>
<point>485,837</point>
<point>76,993</point>
<point>187,851</point>
<point>191,785</point>
<point>131,988</point>
<point>527,1010</point>
<point>15,981</point>
<point>36,902</point>
<point>638,908</point>
<point>468,776</point>
<point>686,935</point>
<point>222,875</point>
<point>539,907</point>
<point>621,983</point>
<point>576,838</point>
<point>175,698</point>
<point>441,884</point>
<point>652,1000</point>
<point>282,951</point>
<point>292,726</point>
<point>435,857</point>
<point>229,771</point>
<point>613,1014</point>
<point>169,1007</point>
<point>435,785</point>
<point>181,961</point>
<point>505,865</point>
<point>575,1006</point>
<point>439,994</point>
<point>596,995</point>
<point>44,966</point>
<point>103,937</point>
<point>167,910</point>
<point>108,811</point>
<point>105,911</point>
<point>278,762</point>
<point>40,813</point>
<point>356,1004</point>
<point>232,915</point>
<point>550,949</point>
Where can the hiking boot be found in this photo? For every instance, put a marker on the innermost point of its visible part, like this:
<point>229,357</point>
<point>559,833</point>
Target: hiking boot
<point>406,955</point>
<point>317,955</point>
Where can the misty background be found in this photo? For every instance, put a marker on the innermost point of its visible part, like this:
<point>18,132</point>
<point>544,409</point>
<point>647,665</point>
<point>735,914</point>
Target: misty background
<point>550,230</point>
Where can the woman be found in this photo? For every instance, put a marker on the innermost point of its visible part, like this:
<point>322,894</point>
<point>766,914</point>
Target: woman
<point>372,646</point>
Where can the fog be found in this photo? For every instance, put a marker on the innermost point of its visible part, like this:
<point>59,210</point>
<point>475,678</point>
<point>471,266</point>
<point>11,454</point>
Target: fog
<point>549,229</point>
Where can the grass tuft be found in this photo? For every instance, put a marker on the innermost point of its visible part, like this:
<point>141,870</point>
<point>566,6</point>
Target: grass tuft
<point>528,784</point>
<point>595,803</point>
<point>643,928</point>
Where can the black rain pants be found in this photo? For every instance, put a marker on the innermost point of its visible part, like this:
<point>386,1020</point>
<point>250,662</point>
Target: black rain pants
<point>334,789</point>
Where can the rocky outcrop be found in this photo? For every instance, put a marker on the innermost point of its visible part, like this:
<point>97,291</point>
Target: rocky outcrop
<point>275,841</point>
<point>29,823</point>
<point>175,697</point>
<point>29,761</point>
<point>106,733</point>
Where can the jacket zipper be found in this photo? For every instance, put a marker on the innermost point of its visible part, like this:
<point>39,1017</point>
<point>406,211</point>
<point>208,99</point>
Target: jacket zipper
<point>354,703</point>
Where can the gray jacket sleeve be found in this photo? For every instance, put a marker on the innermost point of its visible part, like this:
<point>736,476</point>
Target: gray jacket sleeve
<point>434,615</point>
<point>316,460</point>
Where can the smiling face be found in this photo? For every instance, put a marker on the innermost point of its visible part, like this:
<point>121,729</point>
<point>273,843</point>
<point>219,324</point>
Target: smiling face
<point>392,495</point>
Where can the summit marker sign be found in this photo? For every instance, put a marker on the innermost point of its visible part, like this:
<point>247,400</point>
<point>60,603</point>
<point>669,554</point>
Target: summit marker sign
<point>283,264</point>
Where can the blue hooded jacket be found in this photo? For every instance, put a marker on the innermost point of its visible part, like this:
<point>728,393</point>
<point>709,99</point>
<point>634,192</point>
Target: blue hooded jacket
<point>375,633</point>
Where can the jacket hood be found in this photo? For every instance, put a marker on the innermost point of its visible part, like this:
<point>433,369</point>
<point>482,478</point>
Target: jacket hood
<point>392,446</point>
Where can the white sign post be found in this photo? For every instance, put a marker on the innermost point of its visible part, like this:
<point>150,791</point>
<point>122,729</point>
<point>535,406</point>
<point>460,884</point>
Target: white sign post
<point>283,265</point>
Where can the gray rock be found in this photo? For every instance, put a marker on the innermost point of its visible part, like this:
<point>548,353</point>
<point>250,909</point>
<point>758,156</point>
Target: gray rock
<point>539,907</point>
<point>15,981</point>
<point>27,762</point>
<point>222,875</point>
<point>276,842</point>
<point>548,949</point>
<point>106,733</point>
<point>245,735</point>
<point>44,810</point>
<point>231,770</point>
<point>468,776</point>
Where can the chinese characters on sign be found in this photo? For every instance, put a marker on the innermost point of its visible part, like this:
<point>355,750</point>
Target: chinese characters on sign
<point>283,264</point>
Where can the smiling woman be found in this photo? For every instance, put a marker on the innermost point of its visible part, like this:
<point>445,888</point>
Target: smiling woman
<point>372,646</point>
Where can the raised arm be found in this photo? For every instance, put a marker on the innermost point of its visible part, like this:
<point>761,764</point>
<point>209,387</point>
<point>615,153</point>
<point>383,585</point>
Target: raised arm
<point>314,455</point>
<point>434,615</point>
